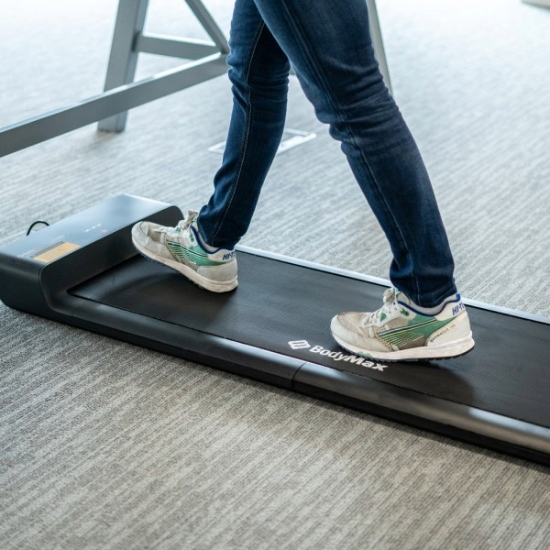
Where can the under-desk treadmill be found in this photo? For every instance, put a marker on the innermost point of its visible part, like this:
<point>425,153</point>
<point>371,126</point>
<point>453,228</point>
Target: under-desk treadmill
<point>274,327</point>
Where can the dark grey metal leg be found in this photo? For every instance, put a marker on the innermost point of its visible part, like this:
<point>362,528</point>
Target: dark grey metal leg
<point>129,41</point>
<point>376,34</point>
<point>207,60</point>
<point>209,25</point>
<point>123,60</point>
<point>56,123</point>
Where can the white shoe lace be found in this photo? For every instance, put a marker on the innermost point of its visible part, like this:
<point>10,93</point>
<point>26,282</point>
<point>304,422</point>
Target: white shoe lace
<point>182,225</point>
<point>389,308</point>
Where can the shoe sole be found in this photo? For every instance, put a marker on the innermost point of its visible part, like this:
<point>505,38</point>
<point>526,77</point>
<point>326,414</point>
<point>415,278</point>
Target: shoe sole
<point>448,351</point>
<point>188,273</point>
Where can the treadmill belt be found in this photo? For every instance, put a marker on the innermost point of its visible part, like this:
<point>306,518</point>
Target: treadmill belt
<point>286,308</point>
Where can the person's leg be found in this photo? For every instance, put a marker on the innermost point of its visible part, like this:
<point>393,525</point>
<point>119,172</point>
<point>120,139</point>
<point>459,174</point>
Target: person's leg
<point>329,45</point>
<point>202,246</point>
<point>259,73</point>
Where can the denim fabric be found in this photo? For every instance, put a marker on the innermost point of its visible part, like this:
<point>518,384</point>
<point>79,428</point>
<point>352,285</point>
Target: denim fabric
<point>329,45</point>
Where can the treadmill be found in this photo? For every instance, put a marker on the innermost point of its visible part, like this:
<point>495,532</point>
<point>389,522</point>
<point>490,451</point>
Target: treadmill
<point>84,271</point>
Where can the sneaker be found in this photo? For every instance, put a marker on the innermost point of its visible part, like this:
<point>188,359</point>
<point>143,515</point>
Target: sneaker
<point>181,249</point>
<point>398,331</point>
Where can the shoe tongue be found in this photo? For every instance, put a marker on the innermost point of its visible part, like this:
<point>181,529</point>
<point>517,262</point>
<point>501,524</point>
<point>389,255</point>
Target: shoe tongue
<point>393,295</point>
<point>191,215</point>
<point>389,295</point>
<point>184,224</point>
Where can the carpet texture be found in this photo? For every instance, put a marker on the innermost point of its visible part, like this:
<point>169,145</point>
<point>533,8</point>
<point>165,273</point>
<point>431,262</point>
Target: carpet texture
<point>107,445</point>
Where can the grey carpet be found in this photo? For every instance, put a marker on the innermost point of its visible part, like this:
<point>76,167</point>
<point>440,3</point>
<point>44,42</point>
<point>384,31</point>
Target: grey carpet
<point>106,445</point>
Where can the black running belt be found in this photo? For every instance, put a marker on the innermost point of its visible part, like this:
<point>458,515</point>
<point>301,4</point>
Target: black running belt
<point>279,304</point>
<point>274,327</point>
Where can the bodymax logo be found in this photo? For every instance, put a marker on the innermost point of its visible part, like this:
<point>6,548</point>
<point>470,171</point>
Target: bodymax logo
<point>338,355</point>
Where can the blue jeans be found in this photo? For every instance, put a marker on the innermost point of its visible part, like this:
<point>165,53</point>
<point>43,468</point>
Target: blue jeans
<point>329,45</point>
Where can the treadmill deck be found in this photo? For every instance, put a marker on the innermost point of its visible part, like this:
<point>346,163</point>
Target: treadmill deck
<point>84,271</point>
<point>286,308</point>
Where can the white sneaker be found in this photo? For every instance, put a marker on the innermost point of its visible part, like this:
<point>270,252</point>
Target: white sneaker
<point>180,248</point>
<point>400,332</point>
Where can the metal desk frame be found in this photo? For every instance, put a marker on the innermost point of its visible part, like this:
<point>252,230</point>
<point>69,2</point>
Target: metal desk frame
<point>121,93</point>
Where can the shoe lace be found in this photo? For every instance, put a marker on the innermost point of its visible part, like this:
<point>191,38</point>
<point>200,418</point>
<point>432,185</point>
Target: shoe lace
<point>183,224</point>
<point>386,311</point>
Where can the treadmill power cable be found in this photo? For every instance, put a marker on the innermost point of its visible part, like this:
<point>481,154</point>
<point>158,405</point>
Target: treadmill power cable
<point>34,224</point>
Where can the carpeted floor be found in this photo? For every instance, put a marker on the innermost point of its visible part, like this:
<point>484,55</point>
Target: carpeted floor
<point>107,445</point>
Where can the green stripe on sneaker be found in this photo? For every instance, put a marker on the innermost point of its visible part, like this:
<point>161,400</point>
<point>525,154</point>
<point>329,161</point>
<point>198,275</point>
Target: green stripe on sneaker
<point>194,255</point>
<point>413,332</point>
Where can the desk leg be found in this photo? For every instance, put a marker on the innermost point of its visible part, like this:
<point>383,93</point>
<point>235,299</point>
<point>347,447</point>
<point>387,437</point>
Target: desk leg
<point>121,70</point>
<point>376,35</point>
